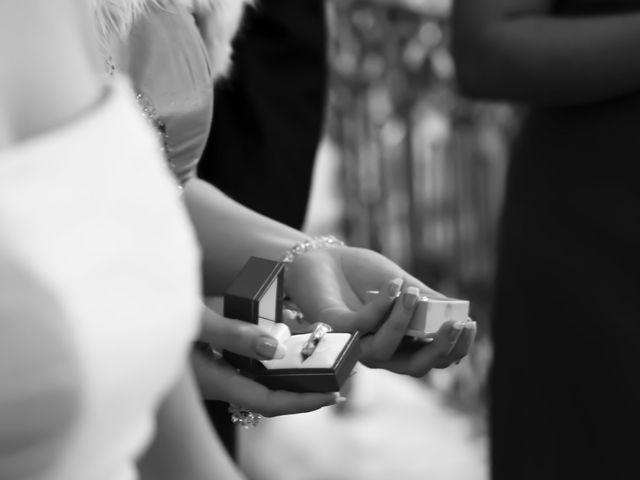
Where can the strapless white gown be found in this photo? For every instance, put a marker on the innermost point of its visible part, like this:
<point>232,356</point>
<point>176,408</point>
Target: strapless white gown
<point>99,295</point>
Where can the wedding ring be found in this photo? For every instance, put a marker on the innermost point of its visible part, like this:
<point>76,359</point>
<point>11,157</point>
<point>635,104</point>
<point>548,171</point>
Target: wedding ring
<point>310,345</point>
<point>244,417</point>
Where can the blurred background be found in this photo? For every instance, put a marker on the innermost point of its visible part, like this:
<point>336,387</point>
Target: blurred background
<point>410,169</point>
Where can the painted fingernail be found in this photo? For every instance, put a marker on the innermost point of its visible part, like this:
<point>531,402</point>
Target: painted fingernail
<point>335,399</point>
<point>456,329</point>
<point>410,297</point>
<point>454,335</point>
<point>394,287</point>
<point>338,398</point>
<point>269,348</point>
<point>266,347</point>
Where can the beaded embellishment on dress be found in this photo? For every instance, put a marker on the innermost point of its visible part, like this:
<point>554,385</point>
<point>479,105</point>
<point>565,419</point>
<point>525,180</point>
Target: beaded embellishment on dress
<point>151,114</point>
<point>109,66</point>
<point>167,63</point>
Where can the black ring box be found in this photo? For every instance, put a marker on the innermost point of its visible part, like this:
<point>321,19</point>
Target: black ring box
<point>256,296</point>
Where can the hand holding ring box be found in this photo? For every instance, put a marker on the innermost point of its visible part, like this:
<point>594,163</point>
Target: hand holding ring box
<point>431,313</point>
<point>256,296</point>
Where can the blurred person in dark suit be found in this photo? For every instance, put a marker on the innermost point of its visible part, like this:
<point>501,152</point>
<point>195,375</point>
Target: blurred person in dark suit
<point>568,275</point>
<point>268,121</point>
<point>269,112</point>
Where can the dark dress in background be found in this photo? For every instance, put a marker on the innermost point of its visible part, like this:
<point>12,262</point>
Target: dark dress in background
<point>268,120</point>
<point>565,385</point>
<point>269,115</point>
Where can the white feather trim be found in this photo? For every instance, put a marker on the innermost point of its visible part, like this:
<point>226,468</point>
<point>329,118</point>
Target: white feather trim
<point>117,16</point>
<point>218,21</point>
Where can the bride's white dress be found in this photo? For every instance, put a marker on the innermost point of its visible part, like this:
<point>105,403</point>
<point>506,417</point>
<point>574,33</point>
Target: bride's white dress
<point>99,295</point>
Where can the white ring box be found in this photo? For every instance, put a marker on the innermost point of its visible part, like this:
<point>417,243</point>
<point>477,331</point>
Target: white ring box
<point>256,296</point>
<point>431,313</point>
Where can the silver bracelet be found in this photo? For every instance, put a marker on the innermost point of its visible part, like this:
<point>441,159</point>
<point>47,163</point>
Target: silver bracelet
<point>324,241</point>
<point>244,417</point>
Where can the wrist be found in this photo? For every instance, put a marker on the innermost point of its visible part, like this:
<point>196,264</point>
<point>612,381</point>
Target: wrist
<point>323,242</point>
<point>314,243</point>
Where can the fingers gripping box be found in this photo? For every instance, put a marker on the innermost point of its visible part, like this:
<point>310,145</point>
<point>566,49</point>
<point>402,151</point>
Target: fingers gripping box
<point>431,312</point>
<point>256,296</point>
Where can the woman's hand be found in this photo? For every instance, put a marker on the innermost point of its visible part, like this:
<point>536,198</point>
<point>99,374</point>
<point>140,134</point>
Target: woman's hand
<point>329,285</point>
<point>237,336</point>
<point>416,357</point>
<point>217,380</point>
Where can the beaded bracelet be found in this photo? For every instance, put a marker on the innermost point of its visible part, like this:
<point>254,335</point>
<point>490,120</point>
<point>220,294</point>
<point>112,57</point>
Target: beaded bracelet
<point>324,241</point>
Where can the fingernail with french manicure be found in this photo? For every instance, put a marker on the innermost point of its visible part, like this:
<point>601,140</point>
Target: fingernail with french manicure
<point>410,297</point>
<point>455,331</point>
<point>338,398</point>
<point>394,287</point>
<point>454,335</point>
<point>269,348</point>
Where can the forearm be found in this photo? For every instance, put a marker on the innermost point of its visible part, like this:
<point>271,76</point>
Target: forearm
<point>230,233</point>
<point>537,58</point>
<point>185,445</point>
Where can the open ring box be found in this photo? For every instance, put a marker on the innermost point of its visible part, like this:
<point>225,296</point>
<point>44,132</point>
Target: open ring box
<point>430,313</point>
<point>256,296</point>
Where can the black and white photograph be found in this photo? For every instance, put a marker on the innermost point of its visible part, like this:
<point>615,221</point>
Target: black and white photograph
<point>319,239</point>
